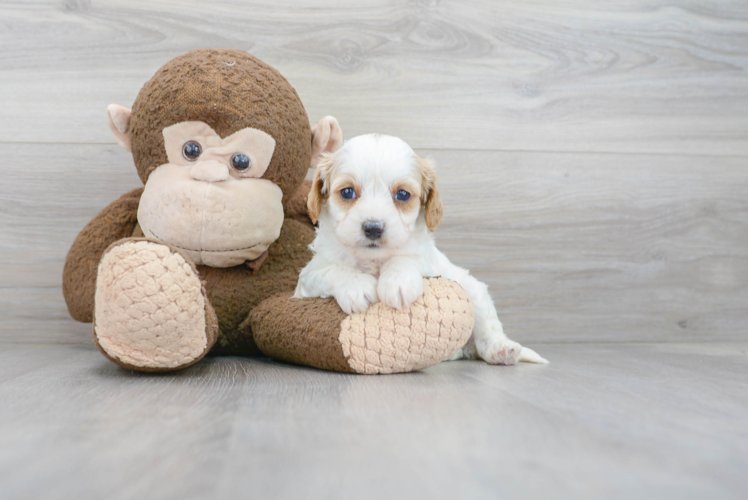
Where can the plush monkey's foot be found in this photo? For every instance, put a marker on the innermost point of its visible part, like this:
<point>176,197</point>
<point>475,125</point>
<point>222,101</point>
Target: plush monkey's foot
<point>316,332</point>
<point>151,312</point>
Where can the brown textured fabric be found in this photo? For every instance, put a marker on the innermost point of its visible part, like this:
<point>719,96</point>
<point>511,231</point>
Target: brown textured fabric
<point>235,291</point>
<point>301,331</point>
<point>229,90</point>
<point>296,207</point>
<point>116,221</point>
<point>297,204</point>
<point>254,265</point>
<point>211,321</point>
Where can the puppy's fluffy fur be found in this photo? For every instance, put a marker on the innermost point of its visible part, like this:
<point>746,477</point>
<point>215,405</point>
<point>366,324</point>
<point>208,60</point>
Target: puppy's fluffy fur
<point>377,203</point>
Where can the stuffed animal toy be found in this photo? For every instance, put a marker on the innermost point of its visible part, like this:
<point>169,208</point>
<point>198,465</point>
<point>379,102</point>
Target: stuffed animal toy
<point>205,257</point>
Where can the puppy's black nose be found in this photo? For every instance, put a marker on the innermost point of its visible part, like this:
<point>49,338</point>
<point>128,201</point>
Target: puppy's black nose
<point>373,229</point>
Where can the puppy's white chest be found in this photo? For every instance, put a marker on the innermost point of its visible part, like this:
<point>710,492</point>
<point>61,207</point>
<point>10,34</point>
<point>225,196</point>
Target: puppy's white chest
<point>370,267</point>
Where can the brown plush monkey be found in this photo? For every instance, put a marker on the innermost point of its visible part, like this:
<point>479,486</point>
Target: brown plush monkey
<point>206,255</point>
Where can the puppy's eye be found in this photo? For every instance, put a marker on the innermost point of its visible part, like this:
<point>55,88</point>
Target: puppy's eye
<point>402,195</point>
<point>191,150</point>
<point>348,193</point>
<point>241,162</point>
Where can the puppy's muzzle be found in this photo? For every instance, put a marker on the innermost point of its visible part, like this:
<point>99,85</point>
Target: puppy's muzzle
<point>373,229</point>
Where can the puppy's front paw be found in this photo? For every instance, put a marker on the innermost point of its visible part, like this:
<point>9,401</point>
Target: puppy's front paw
<point>500,352</point>
<point>400,290</point>
<point>355,295</point>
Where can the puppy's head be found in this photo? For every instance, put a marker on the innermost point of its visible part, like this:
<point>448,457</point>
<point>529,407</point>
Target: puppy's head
<point>375,191</point>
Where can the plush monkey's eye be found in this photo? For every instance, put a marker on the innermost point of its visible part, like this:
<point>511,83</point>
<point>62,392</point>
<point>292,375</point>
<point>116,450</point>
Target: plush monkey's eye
<point>191,150</point>
<point>348,193</point>
<point>402,195</point>
<point>241,162</point>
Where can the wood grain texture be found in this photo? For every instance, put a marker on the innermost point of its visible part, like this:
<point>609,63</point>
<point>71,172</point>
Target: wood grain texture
<point>601,421</point>
<point>633,76</point>
<point>582,247</point>
<point>574,247</point>
<point>592,161</point>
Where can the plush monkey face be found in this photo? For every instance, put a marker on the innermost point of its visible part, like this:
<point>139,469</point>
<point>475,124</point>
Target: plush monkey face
<point>206,199</point>
<point>221,141</point>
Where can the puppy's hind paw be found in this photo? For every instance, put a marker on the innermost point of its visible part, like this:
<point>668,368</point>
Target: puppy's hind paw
<point>357,294</point>
<point>501,352</point>
<point>454,357</point>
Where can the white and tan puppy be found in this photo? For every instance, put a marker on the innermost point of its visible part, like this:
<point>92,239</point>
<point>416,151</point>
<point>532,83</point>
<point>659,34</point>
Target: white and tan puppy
<point>377,203</point>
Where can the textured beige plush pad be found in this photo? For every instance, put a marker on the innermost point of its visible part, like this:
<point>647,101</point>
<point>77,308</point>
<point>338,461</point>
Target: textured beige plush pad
<point>150,309</point>
<point>385,340</point>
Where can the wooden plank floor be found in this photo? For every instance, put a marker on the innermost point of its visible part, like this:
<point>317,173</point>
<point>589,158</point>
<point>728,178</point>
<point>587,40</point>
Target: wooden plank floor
<point>601,421</point>
<point>593,161</point>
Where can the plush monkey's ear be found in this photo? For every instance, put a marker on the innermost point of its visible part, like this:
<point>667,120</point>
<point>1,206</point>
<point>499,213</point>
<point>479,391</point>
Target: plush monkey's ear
<point>327,137</point>
<point>118,118</point>
<point>318,193</point>
<point>432,202</point>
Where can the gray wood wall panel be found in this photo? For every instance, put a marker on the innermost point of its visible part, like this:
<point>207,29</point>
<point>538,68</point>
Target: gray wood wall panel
<point>593,157</point>
<point>629,76</point>
<point>575,247</point>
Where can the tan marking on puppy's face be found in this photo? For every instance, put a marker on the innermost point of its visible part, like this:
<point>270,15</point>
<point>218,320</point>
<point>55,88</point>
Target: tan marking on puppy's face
<point>413,188</point>
<point>375,168</point>
<point>341,182</point>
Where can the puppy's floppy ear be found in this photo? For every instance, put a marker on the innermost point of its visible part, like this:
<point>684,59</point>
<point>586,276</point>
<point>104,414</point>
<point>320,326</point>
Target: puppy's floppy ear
<point>430,199</point>
<point>319,187</point>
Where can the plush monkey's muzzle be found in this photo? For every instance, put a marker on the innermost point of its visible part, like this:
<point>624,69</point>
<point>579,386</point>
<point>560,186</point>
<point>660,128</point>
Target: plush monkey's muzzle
<point>215,220</point>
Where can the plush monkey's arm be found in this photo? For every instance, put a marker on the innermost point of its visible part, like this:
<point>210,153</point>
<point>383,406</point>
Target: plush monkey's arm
<point>296,206</point>
<point>115,222</point>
